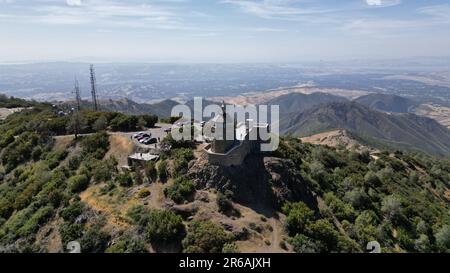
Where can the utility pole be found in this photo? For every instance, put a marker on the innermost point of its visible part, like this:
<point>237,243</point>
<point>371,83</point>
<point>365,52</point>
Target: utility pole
<point>94,89</point>
<point>76,111</point>
<point>77,94</point>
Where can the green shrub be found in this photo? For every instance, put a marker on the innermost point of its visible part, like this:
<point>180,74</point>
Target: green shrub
<point>94,240</point>
<point>70,213</point>
<point>138,215</point>
<point>298,217</point>
<point>55,197</point>
<point>162,170</point>
<point>443,238</point>
<point>322,230</point>
<point>180,166</point>
<point>170,120</point>
<point>34,180</point>
<point>357,198</point>
<point>143,193</point>
<point>37,153</point>
<point>125,179</point>
<point>283,245</point>
<point>164,226</point>
<point>230,248</point>
<point>341,210</point>
<point>100,124</point>
<point>78,183</point>
<point>6,138</point>
<point>304,244</point>
<point>225,205</point>
<point>205,237</point>
<point>40,217</point>
<point>125,123</point>
<point>70,232</point>
<point>19,150</point>
<point>150,120</point>
<point>181,190</point>
<point>53,159</point>
<point>422,244</point>
<point>96,145</point>
<point>128,244</point>
<point>103,170</point>
<point>6,208</point>
<point>392,208</point>
<point>182,157</point>
<point>150,171</point>
<point>371,179</point>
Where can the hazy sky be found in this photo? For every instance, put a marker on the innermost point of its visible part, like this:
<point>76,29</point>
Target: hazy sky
<point>222,30</point>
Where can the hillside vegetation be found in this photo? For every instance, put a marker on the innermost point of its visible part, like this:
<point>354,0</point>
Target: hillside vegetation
<point>301,198</point>
<point>381,130</point>
<point>388,103</point>
<point>11,102</point>
<point>298,102</point>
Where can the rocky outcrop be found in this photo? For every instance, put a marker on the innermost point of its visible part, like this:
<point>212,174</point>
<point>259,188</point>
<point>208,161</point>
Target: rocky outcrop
<point>265,181</point>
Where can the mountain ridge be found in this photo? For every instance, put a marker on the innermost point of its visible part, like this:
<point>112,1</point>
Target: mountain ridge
<point>415,132</point>
<point>388,103</point>
<point>126,106</point>
<point>298,102</point>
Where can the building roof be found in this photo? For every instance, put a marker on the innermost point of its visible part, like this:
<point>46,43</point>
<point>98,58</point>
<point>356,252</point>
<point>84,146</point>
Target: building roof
<point>144,157</point>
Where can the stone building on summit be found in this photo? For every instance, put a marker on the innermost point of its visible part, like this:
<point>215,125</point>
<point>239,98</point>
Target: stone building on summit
<point>232,152</point>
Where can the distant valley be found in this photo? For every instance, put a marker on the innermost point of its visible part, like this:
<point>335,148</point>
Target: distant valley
<point>237,83</point>
<point>378,105</point>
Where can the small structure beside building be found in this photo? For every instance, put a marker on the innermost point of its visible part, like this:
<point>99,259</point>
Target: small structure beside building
<point>141,158</point>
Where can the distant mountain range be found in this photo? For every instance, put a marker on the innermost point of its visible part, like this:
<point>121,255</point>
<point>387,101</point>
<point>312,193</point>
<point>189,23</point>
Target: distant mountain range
<point>388,103</point>
<point>402,131</point>
<point>298,102</point>
<point>376,120</point>
<point>126,106</point>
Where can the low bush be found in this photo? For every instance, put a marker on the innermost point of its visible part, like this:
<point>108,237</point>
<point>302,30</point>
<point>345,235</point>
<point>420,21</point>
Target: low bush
<point>78,183</point>
<point>181,190</point>
<point>164,226</point>
<point>205,237</point>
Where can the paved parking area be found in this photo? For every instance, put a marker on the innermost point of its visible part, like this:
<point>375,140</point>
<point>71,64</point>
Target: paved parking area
<point>157,132</point>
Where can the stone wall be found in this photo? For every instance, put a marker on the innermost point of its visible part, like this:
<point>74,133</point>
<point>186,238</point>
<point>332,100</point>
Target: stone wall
<point>234,157</point>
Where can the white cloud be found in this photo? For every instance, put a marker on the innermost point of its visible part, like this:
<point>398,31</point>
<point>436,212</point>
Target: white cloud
<point>278,9</point>
<point>73,2</point>
<point>102,13</point>
<point>383,3</point>
<point>440,12</point>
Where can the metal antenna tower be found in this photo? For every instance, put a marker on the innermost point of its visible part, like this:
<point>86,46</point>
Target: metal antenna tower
<point>77,94</point>
<point>94,89</point>
<point>75,122</point>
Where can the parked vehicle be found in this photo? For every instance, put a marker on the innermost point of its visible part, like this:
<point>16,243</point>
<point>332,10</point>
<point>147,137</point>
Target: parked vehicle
<point>138,135</point>
<point>150,141</point>
<point>143,140</point>
<point>139,138</point>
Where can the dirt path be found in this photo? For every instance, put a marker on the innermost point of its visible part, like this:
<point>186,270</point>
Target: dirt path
<point>156,195</point>
<point>275,236</point>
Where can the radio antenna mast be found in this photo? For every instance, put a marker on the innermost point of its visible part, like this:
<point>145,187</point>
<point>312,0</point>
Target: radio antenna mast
<point>77,94</point>
<point>76,111</point>
<point>94,89</point>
